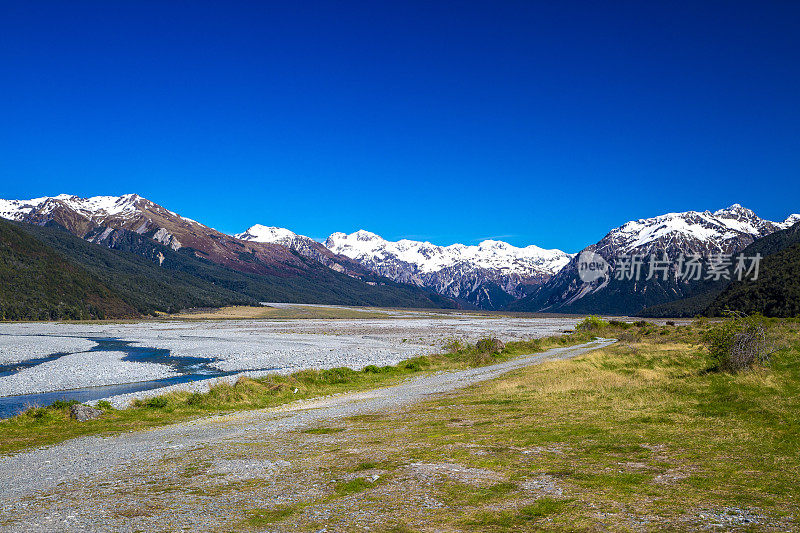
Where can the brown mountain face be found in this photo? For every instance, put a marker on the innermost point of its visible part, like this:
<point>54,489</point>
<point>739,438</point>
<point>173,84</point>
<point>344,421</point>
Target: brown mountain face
<point>139,215</point>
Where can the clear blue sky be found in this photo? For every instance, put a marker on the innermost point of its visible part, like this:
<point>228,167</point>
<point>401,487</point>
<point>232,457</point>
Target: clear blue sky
<point>535,122</point>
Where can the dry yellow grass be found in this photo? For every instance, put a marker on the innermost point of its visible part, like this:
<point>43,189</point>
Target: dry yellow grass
<point>299,311</point>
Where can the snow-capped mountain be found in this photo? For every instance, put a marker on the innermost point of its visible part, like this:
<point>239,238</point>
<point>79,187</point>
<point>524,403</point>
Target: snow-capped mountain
<point>725,231</point>
<point>722,231</point>
<point>305,246</point>
<point>489,275</point>
<point>96,207</point>
<point>108,219</point>
<point>259,233</point>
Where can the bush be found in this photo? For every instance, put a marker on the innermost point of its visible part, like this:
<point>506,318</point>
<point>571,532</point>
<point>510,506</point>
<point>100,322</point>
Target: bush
<point>737,343</point>
<point>62,404</point>
<point>104,405</point>
<point>416,364</point>
<point>195,399</point>
<point>159,402</point>
<point>619,324</point>
<point>489,345</point>
<point>591,323</point>
<point>453,346</point>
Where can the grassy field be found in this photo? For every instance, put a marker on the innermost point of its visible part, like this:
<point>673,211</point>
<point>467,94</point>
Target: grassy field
<point>637,436</point>
<point>293,312</point>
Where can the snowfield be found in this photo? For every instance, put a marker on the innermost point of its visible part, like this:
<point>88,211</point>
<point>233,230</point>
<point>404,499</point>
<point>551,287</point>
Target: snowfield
<point>251,347</point>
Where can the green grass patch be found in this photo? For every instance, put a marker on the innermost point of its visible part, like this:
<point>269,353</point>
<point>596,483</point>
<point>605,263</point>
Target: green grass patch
<point>353,486</point>
<point>323,431</point>
<point>543,507</point>
<point>264,517</point>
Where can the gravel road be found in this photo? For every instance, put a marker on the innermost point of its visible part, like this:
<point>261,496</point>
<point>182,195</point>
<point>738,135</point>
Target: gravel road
<point>77,461</point>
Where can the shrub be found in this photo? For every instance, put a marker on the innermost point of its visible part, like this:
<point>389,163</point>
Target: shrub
<point>104,405</point>
<point>38,413</point>
<point>453,346</point>
<point>62,404</point>
<point>158,402</point>
<point>641,323</point>
<point>489,345</point>
<point>415,364</point>
<point>738,342</point>
<point>195,399</point>
<point>591,323</point>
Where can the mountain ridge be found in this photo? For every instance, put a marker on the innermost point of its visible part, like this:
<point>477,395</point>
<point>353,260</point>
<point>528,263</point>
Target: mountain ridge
<point>724,231</point>
<point>110,221</point>
<point>491,275</point>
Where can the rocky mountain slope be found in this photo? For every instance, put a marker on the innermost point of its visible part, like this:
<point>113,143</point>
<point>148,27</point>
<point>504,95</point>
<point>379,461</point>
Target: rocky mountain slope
<point>97,219</point>
<point>725,231</point>
<point>305,246</point>
<point>364,268</point>
<point>489,275</point>
<point>281,273</point>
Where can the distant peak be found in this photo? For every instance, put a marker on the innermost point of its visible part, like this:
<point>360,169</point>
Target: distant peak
<point>364,235</point>
<point>791,220</point>
<point>735,209</point>
<point>261,233</point>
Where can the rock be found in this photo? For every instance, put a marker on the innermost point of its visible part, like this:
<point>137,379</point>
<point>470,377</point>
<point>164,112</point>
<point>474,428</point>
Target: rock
<point>82,413</point>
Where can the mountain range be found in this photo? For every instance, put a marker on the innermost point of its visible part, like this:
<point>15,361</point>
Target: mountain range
<point>266,263</point>
<point>157,261</point>
<point>726,231</point>
<point>489,275</point>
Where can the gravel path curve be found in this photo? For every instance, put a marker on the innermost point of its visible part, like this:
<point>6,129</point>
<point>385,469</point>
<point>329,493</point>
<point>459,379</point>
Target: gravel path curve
<point>28,472</point>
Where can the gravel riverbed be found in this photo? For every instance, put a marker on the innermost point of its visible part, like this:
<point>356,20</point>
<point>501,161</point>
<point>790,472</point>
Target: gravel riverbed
<point>243,347</point>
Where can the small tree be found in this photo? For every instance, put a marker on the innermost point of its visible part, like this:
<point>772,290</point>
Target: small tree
<point>737,343</point>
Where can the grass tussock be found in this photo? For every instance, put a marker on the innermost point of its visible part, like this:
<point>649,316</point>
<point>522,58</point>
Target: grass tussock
<point>354,486</point>
<point>264,517</point>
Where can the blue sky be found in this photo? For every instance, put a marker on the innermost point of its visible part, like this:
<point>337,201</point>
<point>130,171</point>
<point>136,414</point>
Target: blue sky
<point>536,122</point>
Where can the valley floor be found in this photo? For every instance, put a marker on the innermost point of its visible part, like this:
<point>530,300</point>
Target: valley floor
<point>72,479</point>
<point>630,436</point>
<point>208,347</point>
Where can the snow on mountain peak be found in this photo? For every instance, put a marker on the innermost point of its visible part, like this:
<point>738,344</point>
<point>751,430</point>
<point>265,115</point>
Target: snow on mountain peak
<point>367,247</point>
<point>714,229</point>
<point>367,236</point>
<point>270,234</point>
<point>95,206</point>
<point>790,221</point>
